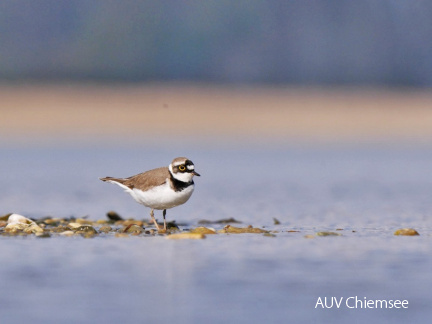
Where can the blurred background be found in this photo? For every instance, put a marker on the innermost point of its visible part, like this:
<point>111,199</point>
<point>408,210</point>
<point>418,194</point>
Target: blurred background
<point>314,42</point>
<point>284,70</point>
<point>281,71</point>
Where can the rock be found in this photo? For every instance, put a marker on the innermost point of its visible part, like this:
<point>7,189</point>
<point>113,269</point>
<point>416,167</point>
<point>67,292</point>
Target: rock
<point>112,215</point>
<point>269,235</point>
<point>15,227</point>
<point>5,217</point>
<point>33,229</point>
<point>276,221</point>
<point>238,230</point>
<point>328,234</point>
<point>186,236</point>
<point>86,229</point>
<point>16,218</point>
<point>74,226</point>
<point>105,229</point>
<point>52,221</point>
<point>82,228</point>
<point>220,221</point>
<point>3,223</point>
<point>130,222</point>
<point>406,232</point>
<point>132,228</point>
<point>83,221</point>
<point>202,230</point>
<point>59,229</point>
<point>172,226</point>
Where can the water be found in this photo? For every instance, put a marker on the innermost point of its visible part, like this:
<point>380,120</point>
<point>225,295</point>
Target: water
<point>248,278</point>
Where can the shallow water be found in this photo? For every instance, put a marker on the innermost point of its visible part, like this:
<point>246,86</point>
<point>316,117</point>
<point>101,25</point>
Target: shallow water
<point>247,278</point>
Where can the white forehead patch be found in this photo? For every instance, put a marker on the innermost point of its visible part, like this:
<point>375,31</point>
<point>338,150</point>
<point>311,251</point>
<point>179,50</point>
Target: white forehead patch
<point>190,167</point>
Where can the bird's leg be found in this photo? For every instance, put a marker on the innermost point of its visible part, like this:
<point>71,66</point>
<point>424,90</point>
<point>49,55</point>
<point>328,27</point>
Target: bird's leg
<point>165,224</point>
<point>154,220</point>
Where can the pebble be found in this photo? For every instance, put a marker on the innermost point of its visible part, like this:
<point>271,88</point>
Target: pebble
<point>328,234</point>
<point>112,215</point>
<point>130,222</point>
<point>23,227</point>
<point>86,229</point>
<point>237,230</point>
<point>16,218</point>
<point>202,230</point>
<point>186,236</point>
<point>406,232</point>
<point>74,226</point>
<point>276,221</point>
<point>33,229</point>
<point>132,228</point>
<point>83,221</point>
<point>105,229</point>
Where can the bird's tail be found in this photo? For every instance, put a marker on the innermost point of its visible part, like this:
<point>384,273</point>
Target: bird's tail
<point>108,179</point>
<point>118,181</point>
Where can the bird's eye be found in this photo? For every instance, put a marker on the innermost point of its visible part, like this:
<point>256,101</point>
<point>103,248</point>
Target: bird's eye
<point>182,168</point>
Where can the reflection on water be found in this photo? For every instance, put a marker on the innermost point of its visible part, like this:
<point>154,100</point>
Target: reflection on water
<point>237,278</point>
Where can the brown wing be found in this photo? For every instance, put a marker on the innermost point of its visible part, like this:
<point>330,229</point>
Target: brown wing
<point>145,180</point>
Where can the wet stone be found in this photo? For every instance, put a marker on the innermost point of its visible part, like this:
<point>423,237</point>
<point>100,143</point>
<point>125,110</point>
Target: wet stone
<point>83,221</point>
<point>276,221</point>
<point>105,229</point>
<point>172,225</point>
<point>16,218</point>
<point>113,216</point>
<point>15,227</point>
<point>33,229</point>
<point>309,236</point>
<point>51,221</point>
<point>186,236</point>
<point>59,229</point>
<point>328,234</point>
<point>86,229</point>
<point>129,222</point>
<point>406,232</point>
<point>202,230</point>
<point>5,217</point>
<point>74,226</point>
<point>238,230</point>
<point>220,221</point>
<point>132,228</point>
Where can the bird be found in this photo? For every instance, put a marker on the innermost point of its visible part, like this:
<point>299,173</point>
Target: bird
<point>161,188</point>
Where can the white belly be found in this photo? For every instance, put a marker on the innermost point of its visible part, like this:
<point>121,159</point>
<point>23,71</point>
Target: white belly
<point>162,197</point>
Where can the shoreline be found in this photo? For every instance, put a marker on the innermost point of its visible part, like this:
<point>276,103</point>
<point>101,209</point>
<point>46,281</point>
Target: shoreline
<point>96,113</point>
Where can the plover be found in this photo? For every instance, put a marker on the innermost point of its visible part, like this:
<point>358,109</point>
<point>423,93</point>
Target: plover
<point>161,188</point>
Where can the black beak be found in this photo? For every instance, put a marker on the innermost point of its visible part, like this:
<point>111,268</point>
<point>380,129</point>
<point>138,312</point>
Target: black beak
<point>196,173</point>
